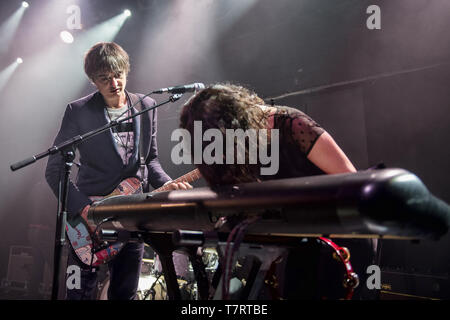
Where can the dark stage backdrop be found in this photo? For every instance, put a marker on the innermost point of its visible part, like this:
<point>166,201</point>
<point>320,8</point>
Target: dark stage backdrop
<point>383,94</point>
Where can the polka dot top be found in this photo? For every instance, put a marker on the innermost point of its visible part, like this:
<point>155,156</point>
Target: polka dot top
<point>297,135</point>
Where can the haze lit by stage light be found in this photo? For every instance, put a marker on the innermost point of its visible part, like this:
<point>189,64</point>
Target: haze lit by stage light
<point>64,62</point>
<point>58,64</point>
<point>9,27</point>
<point>7,73</point>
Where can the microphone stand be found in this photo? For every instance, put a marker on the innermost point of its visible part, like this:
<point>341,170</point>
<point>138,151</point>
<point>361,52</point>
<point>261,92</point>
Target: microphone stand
<point>67,149</point>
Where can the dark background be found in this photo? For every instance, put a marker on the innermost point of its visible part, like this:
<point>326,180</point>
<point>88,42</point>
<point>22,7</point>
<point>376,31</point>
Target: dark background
<point>382,94</point>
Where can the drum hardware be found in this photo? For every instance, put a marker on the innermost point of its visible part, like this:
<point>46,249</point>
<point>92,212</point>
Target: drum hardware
<point>158,289</point>
<point>267,254</point>
<point>151,292</point>
<point>147,266</point>
<point>264,256</point>
<point>210,259</point>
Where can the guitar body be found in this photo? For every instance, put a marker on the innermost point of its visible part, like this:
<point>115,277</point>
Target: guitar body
<point>83,241</point>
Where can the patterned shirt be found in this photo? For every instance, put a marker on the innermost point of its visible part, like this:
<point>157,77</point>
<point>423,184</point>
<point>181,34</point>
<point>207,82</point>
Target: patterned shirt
<point>297,135</point>
<point>123,134</point>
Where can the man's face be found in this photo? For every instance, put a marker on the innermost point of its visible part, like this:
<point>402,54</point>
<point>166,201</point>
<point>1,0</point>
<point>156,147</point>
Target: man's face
<point>111,85</point>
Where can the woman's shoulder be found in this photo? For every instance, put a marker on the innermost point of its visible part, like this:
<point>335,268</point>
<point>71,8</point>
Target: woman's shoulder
<point>288,114</point>
<point>289,111</point>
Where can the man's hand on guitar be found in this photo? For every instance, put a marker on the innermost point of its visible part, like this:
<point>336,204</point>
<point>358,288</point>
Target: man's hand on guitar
<point>184,185</point>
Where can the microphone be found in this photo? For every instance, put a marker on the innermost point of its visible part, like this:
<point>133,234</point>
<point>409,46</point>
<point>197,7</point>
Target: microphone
<point>182,89</point>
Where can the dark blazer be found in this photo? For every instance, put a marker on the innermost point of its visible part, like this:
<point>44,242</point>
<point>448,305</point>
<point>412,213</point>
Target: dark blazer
<point>102,168</point>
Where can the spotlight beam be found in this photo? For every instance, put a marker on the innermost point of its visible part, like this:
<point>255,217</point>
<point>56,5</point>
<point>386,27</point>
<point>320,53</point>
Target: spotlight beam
<point>106,31</point>
<point>6,73</point>
<point>64,62</point>
<point>9,27</point>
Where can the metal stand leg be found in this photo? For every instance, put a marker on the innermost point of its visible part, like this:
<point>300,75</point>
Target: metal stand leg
<point>199,273</point>
<point>60,234</point>
<point>162,245</point>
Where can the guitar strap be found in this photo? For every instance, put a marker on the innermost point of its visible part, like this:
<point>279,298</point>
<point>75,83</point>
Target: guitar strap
<point>134,99</point>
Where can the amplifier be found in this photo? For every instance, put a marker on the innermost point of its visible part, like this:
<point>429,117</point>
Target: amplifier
<point>19,268</point>
<point>401,285</point>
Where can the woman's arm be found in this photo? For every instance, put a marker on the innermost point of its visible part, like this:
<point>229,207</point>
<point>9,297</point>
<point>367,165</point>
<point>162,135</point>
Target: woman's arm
<point>327,155</point>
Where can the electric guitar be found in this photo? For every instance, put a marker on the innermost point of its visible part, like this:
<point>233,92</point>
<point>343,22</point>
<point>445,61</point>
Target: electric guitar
<point>83,240</point>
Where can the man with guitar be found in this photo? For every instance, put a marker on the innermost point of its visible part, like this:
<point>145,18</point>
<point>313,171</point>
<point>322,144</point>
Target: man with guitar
<point>121,161</point>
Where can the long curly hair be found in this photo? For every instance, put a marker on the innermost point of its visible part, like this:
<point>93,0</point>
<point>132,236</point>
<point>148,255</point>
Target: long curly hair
<point>226,106</point>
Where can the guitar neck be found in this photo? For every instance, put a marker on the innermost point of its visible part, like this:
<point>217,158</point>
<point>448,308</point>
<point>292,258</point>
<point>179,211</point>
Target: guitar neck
<point>188,177</point>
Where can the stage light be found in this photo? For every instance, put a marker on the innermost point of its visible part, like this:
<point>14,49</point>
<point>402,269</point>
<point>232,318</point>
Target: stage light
<point>66,36</point>
<point>25,4</point>
<point>127,13</point>
<point>19,60</point>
